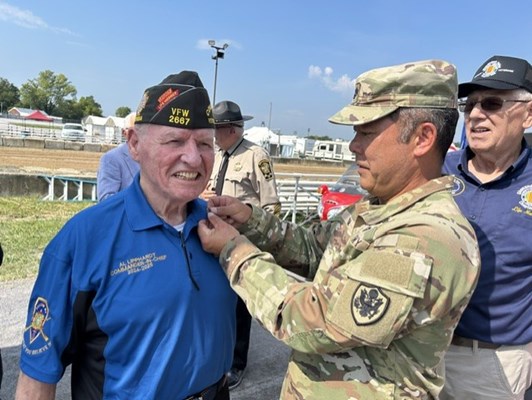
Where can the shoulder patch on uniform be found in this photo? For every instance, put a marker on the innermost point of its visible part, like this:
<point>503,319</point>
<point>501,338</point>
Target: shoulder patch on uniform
<point>41,314</point>
<point>266,168</point>
<point>369,304</point>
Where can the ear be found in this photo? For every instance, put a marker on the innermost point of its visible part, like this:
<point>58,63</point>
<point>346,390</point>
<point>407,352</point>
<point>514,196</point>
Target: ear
<point>133,143</point>
<point>527,123</point>
<point>424,138</point>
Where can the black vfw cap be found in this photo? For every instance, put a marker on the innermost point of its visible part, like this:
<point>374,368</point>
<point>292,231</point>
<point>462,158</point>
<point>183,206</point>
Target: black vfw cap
<point>180,101</point>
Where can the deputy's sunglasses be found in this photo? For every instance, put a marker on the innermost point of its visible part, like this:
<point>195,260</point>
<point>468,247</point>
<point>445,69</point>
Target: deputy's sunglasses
<point>487,104</point>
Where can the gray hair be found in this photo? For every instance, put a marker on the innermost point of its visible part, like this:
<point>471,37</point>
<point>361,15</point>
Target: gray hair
<point>444,119</point>
<point>522,94</point>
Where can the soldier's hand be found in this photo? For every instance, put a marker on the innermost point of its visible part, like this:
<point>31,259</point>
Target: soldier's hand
<point>230,209</point>
<point>215,233</point>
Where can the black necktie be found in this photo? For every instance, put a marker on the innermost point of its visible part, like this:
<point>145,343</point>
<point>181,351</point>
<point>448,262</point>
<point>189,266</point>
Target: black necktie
<point>221,175</point>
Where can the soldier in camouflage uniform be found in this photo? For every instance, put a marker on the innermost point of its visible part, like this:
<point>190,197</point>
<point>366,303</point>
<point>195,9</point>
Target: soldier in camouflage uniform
<point>388,278</point>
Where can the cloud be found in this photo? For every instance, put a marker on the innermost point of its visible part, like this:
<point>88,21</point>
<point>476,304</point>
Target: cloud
<point>325,75</point>
<point>203,44</point>
<point>26,19</point>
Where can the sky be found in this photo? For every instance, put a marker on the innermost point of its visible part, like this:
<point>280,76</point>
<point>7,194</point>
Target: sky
<point>290,64</point>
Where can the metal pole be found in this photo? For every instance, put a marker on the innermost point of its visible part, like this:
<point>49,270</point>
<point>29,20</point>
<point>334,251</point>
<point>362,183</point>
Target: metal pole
<point>215,79</point>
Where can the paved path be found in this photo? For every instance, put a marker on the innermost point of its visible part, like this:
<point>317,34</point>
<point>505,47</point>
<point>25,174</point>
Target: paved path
<point>266,366</point>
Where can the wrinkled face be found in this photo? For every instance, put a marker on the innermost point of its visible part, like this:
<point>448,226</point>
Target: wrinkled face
<point>175,163</point>
<point>498,131</point>
<point>384,163</point>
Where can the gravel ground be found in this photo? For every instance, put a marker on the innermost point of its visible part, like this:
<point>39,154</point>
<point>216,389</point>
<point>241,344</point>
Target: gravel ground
<point>267,363</point>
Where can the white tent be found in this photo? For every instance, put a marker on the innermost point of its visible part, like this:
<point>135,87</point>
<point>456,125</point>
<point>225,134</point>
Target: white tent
<point>104,129</point>
<point>289,145</point>
<point>261,135</point>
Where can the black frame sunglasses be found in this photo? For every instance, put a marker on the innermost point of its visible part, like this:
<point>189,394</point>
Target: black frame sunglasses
<point>491,103</point>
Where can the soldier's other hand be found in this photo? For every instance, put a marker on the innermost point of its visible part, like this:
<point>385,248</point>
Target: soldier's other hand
<point>215,233</point>
<point>230,209</point>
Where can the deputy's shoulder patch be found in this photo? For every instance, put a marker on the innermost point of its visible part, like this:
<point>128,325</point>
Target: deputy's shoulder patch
<point>369,304</point>
<point>266,168</point>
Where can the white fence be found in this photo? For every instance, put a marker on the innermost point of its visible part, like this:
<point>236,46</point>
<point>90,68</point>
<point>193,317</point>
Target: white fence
<point>299,194</point>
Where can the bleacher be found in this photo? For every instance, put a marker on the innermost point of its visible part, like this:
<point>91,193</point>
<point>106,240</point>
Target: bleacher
<point>67,188</point>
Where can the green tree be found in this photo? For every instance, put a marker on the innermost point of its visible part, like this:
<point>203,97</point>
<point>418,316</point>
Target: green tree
<point>48,92</point>
<point>89,106</point>
<point>9,95</point>
<point>70,110</point>
<point>122,112</point>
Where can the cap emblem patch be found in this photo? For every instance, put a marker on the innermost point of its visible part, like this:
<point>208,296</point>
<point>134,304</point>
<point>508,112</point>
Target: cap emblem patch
<point>490,69</point>
<point>166,97</point>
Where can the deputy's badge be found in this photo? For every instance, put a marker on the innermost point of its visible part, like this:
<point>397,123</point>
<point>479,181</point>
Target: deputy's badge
<point>41,314</point>
<point>266,169</point>
<point>369,304</point>
<point>237,167</point>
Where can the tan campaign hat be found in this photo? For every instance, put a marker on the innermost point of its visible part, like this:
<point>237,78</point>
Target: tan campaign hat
<point>379,92</point>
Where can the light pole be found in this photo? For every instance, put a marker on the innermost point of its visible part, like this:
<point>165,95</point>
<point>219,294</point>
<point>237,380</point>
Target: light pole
<point>219,53</point>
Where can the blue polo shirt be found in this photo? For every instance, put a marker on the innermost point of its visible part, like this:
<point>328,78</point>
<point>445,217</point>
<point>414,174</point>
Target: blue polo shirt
<point>500,211</point>
<point>117,297</point>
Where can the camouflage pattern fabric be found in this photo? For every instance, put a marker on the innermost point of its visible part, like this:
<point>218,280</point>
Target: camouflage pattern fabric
<point>381,91</point>
<point>386,286</point>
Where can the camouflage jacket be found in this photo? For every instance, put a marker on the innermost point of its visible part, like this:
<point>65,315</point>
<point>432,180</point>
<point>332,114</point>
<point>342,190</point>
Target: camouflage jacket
<point>385,287</point>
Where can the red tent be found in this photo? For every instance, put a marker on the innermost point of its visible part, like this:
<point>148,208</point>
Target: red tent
<point>39,116</point>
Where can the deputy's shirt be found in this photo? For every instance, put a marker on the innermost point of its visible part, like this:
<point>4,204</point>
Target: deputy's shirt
<point>387,286</point>
<point>249,176</point>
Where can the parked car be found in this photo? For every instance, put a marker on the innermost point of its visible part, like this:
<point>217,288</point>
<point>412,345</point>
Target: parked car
<point>343,193</point>
<point>73,132</point>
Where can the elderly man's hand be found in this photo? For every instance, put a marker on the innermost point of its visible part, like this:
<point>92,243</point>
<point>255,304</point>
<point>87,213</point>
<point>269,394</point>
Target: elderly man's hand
<point>214,234</point>
<point>230,209</point>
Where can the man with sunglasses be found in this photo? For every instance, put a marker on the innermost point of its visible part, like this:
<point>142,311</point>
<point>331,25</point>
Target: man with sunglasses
<point>491,352</point>
<point>243,170</point>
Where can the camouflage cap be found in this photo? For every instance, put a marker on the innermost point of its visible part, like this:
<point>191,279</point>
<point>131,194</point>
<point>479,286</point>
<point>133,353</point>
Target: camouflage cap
<point>379,92</point>
<point>180,101</point>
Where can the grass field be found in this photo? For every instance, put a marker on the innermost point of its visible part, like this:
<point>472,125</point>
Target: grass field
<point>26,226</point>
